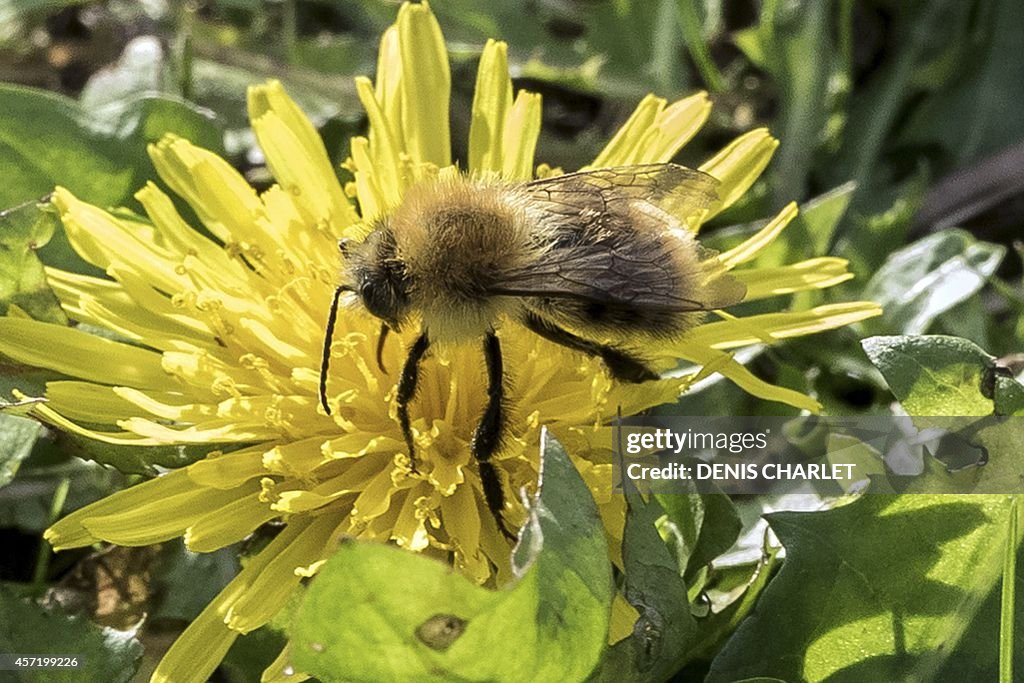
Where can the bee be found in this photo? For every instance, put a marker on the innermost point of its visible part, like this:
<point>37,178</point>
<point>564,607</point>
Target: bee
<point>598,261</point>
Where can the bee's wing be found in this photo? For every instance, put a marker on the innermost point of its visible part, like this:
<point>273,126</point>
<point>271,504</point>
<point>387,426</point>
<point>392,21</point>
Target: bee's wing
<point>606,249</point>
<point>677,190</point>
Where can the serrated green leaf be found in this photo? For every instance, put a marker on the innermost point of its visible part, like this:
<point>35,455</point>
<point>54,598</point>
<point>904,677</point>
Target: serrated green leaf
<point>28,628</point>
<point>878,590</point>
<point>978,456</point>
<point>662,636</point>
<point>933,374</point>
<point>924,279</point>
<point>376,612</point>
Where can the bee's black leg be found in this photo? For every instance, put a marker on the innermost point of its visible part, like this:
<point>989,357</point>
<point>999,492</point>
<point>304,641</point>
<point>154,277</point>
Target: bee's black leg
<point>325,360</point>
<point>407,390</point>
<point>487,437</point>
<point>621,365</point>
<point>381,338</point>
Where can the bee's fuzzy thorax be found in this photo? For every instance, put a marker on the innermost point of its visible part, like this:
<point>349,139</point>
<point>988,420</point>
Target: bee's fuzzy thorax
<point>457,238</point>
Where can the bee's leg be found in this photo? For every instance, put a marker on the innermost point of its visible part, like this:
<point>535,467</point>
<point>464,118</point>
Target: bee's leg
<point>381,338</point>
<point>487,437</point>
<point>325,360</point>
<point>620,364</point>
<point>407,390</point>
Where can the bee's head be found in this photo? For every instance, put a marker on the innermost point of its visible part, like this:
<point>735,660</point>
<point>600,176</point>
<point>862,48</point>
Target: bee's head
<point>377,275</point>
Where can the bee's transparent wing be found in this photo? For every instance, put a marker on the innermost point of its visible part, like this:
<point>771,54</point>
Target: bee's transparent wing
<point>677,190</point>
<point>608,248</point>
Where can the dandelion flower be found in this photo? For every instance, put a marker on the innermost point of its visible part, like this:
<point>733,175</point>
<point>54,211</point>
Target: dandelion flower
<point>216,342</point>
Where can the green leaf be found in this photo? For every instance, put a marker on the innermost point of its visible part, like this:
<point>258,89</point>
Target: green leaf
<point>976,657</point>
<point>878,590</point>
<point>184,597</point>
<point>933,374</point>
<point>703,527</point>
<point>660,641</point>
<point>27,628</point>
<point>250,654</point>
<point>922,280</point>
<point>48,140</point>
<point>377,612</point>
<point>721,528</point>
<point>17,437</point>
<point>23,230</point>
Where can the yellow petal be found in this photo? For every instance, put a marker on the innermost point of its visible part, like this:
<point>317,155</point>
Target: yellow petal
<point>373,202</point>
<point>409,530</point>
<point>624,146</point>
<point>728,334</point>
<point>269,590</point>
<point>522,128</point>
<point>384,150</point>
<point>492,100</point>
<point>281,669</point>
<point>104,240</point>
<point>69,531</point>
<point>746,380</point>
<point>758,242</point>
<point>160,519</point>
<point>130,302</point>
<point>388,84</point>
<point>88,402</point>
<point>461,516</point>
<point>673,127</point>
<point>425,84</point>
<point>51,416</point>
<point>739,165</point>
<point>220,196</point>
<point>295,152</point>
<point>229,470</point>
<point>182,237</point>
<point>228,524</point>
<point>198,650</point>
<point>226,431</point>
<point>816,273</point>
<point>624,616</point>
<point>75,353</point>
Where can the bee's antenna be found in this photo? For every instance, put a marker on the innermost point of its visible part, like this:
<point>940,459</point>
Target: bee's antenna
<point>384,329</point>
<point>325,361</point>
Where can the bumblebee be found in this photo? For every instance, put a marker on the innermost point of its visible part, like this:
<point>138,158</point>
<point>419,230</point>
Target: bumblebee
<point>598,261</point>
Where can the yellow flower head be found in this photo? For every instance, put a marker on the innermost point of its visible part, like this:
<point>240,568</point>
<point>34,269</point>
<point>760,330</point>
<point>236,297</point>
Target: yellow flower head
<point>219,341</point>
